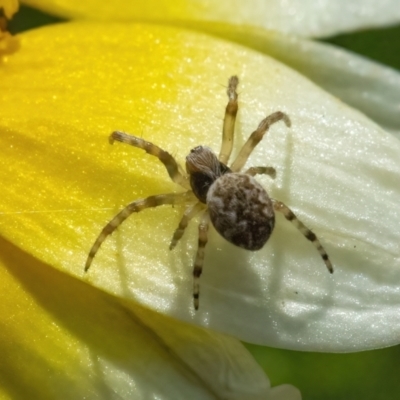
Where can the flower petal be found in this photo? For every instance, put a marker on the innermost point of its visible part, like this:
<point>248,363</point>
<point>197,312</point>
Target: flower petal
<point>62,338</point>
<point>70,85</point>
<point>306,18</point>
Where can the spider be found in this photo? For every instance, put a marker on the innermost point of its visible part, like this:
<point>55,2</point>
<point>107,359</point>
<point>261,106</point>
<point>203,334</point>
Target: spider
<point>239,208</point>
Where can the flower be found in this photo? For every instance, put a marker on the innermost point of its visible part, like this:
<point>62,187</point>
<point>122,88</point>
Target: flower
<point>164,84</point>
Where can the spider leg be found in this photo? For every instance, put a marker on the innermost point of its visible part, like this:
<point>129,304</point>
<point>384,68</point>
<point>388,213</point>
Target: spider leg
<point>174,170</point>
<point>256,137</point>
<point>229,120</point>
<point>136,206</point>
<point>189,213</point>
<point>290,216</point>
<point>262,171</point>
<point>198,262</point>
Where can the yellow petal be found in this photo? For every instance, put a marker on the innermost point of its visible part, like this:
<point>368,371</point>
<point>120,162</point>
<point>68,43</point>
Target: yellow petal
<point>305,18</point>
<point>62,338</point>
<point>71,85</point>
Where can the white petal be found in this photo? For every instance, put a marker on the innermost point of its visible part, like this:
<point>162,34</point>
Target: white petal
<point>307,18</point>
<point>321,18</point>
<point>366,85</point>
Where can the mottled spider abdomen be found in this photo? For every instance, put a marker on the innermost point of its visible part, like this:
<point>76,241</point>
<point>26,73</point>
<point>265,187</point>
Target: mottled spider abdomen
<point>241,210</point>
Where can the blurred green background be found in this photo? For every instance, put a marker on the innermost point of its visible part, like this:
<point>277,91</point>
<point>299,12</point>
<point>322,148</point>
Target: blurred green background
<point>369,375</point>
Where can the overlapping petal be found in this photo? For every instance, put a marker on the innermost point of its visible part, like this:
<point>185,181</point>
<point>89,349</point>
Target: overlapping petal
<point>307,18</point>
<point>54,344</point>
<point>335,168</point>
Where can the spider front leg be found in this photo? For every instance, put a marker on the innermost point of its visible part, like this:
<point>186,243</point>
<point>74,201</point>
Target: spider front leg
<point>256,137</point>
<point>136,206</point>
<point>290,216</point>
<point>270,171</point>
<point>229,120</point>
<point>198,262</point>
<point>174,170</point>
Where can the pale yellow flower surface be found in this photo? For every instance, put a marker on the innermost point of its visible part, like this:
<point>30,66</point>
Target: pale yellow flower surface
<point>71,85</point>
<point>308,18</point>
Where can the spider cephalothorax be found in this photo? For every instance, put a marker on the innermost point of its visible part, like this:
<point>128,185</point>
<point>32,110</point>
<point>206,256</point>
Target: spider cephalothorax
<point>237,205</point>
<point>204,169</point>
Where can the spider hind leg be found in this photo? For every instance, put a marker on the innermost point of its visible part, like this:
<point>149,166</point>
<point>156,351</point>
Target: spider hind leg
<point>198,262</point>
<point>189,213</point>
<point>290,216</point>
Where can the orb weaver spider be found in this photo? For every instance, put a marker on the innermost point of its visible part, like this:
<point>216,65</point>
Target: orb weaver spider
<point>238,207</point>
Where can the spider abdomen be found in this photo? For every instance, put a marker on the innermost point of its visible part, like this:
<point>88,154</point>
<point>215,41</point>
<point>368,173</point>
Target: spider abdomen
<point>241,210</point>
